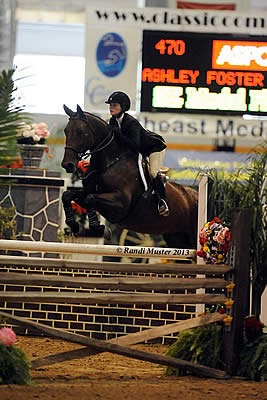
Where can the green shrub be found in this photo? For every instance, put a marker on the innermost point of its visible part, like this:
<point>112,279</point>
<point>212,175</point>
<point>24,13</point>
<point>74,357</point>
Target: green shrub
<point>7,223</point>
<point>253,359</point>
<point>200,345</point>
<point>14,366</point>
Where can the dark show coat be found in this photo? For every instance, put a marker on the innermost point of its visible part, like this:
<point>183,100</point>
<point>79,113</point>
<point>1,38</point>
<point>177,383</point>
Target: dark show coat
<point>136,137</point>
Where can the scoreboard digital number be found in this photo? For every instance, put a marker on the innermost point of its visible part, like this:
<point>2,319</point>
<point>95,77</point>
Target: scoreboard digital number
<point>199,73</point>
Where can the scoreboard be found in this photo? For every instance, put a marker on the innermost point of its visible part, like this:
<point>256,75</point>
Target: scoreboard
<point>203,73</point>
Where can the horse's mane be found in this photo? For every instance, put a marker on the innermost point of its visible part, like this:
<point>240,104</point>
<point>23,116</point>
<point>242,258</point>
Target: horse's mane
<point>97,117</point>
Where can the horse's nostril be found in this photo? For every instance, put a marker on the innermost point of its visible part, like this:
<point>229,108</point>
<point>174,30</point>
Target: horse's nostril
<point>69,167</point>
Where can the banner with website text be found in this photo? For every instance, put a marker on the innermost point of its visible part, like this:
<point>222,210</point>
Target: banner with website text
<point>212,21</point>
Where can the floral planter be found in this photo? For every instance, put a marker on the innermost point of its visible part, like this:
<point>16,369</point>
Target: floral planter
<point>31,154</point>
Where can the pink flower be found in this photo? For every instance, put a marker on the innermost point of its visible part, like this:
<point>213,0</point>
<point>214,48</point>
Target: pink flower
<point>221,235</point>
<point>7,336</point>
<point>42,130</point>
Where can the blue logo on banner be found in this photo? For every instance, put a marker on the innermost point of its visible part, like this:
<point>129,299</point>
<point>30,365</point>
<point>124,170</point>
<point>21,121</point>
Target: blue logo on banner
<point>111,54</point>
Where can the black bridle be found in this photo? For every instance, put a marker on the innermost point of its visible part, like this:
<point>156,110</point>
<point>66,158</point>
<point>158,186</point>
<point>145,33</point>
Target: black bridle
<point>101,146</point>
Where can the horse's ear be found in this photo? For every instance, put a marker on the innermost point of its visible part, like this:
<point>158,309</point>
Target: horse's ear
<point>79,110</point>
<point>68,111</point>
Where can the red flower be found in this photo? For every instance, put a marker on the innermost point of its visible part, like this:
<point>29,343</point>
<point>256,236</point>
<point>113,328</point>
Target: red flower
<point>253,328</point>
<point>16,163</point>
<point>201,253</point>
<point>49,155</point>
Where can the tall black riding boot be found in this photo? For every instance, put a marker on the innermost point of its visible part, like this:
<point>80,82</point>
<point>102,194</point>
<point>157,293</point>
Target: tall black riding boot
<point>161,193</point>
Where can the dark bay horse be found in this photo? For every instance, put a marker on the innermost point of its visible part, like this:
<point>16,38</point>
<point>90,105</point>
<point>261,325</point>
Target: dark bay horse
<point>113,185</point>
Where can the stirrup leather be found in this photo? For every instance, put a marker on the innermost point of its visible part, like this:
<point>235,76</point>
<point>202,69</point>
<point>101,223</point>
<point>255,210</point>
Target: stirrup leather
<point>163,208</point>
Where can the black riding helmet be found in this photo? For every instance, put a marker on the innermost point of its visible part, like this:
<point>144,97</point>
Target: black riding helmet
<point>121,98</point>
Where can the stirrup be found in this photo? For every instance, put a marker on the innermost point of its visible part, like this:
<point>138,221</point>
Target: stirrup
<point>163,208</point>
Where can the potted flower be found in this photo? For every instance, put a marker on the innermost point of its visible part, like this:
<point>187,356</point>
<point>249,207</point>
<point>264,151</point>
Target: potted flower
<point>32,133</point>
<point>31,139</point>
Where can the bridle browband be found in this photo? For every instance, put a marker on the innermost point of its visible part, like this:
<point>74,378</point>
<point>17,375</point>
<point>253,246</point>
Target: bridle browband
<point>101,146</point>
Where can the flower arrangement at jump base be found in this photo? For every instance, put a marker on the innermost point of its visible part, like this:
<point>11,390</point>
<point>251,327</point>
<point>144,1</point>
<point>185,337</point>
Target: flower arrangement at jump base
<point>14,366</point>
<point>214,239</point>
<point>33,133</point>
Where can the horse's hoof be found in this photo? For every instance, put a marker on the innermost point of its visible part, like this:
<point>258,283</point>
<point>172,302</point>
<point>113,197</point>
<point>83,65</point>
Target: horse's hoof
<point>74,226</point>
<point>95,231</point>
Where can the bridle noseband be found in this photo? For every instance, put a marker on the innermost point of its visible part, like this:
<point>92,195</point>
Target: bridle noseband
<point>101,146</point>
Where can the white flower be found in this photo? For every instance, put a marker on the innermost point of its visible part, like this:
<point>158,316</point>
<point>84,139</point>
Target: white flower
<point>36,138</point>
<point>27,133</point>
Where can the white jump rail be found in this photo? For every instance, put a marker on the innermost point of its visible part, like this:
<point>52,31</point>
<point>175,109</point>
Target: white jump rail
<point>104,250</point>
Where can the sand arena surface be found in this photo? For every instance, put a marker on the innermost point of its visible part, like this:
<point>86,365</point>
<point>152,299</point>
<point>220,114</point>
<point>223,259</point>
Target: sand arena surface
<point>113,377</point>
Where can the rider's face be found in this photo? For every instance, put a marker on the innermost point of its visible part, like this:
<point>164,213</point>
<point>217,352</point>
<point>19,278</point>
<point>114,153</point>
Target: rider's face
<point>114,108</point>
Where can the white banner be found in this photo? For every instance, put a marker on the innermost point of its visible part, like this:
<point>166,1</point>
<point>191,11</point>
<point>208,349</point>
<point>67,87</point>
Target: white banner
<point>181,20</point>
<point>201,126</point>
<point>172,126</point>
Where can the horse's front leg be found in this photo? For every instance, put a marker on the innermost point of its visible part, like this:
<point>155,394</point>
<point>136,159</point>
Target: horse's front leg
<point>95,228</point>
<point>67,197</point>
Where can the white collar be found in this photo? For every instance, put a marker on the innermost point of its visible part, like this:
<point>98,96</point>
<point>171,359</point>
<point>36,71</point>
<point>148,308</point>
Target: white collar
<point>119,120</point>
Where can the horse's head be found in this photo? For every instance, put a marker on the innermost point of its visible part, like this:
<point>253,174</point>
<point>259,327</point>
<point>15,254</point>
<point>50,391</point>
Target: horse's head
<point>80,137</point>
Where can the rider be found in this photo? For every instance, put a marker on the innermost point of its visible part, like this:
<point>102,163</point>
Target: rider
<point>131,132</point>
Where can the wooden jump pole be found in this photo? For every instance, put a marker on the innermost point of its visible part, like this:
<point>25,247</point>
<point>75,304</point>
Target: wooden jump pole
<point>131,338</point>
<point>161,268</point>
<point>99,345</point>
<point>111,298</point>
<point>98,249</point>
<point>125,283</point>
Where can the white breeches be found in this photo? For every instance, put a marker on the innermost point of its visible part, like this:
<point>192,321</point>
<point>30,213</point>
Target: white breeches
<point>155,162</point>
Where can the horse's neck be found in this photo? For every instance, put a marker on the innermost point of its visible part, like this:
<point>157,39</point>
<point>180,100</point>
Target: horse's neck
<point>113,152</point>
<point>108,153</point>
